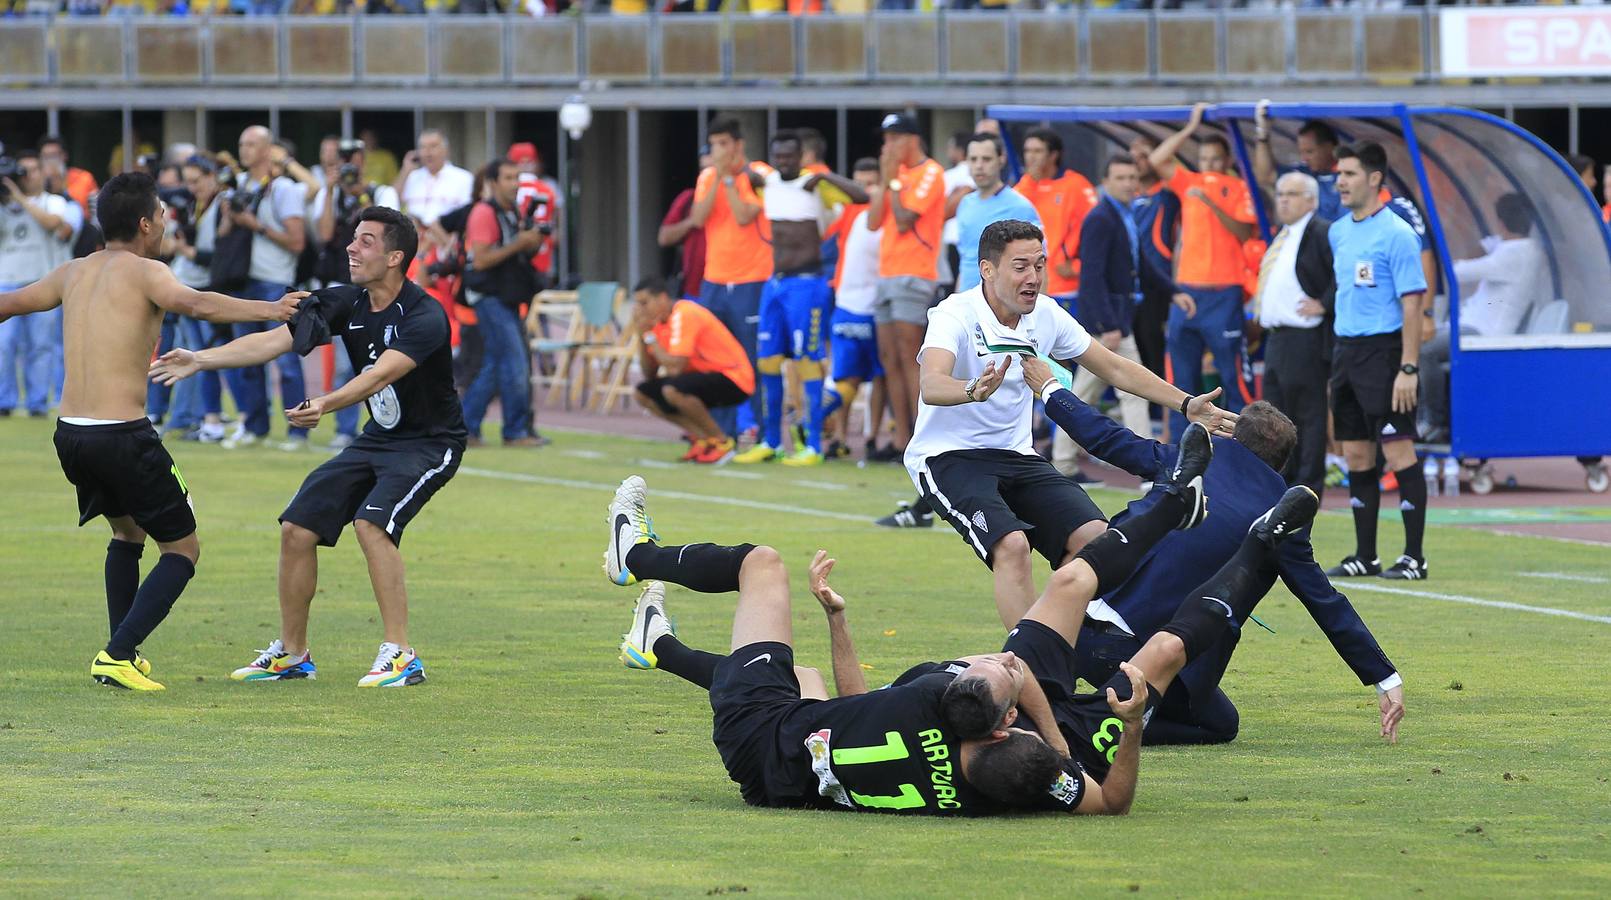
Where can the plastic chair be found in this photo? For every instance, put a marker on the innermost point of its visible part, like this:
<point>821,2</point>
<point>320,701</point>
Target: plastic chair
<point>615,363</point>
<point>1554,317</point>
<point>592,323</point>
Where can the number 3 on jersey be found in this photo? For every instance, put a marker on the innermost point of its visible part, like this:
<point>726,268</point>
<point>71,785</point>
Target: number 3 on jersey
<point>1107,737</point>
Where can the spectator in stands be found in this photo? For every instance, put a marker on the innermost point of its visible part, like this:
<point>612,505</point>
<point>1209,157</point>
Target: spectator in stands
<point>61,178</point>
<point>691,365</point>
<point>1498,290</point>
<point>1293,304</point>
<point>1216,218</point>
<point>1317,158</point>
<point>1062,197</point>
<point>498,280</point>
<point>679,229</point>
<point>910,214</point>
<point>738,250</point>
<point>429,185</point>
<point>1157,214</point>
<point>380,164</point>
<point>272,207</point>
<point>38,236</point>
<point>1111,278</point>
<point>539,200</point>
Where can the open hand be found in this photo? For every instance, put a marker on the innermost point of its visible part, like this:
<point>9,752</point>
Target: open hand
<point>821,566</point>
<point>1130,710</point>
<point>1392,703</point>
<point>990,379</point>
<point>174,365</point>
<point>1405,389</point>
<point>1218,421</point>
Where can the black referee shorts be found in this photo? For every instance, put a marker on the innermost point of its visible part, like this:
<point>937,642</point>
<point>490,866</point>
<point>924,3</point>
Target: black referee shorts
<point>123,470</point>
<point>1362,374</point>
<point>386,482</point>
<point>987,494</point>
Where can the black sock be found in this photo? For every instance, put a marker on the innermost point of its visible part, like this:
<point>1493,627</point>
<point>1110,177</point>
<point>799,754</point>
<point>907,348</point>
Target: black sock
<point>685,662</point>
<point>707,568</point>
<point>1365,496</point>
<point>1412,504</point>
<point>1115,553</point>
<point>122,580</point>
<point>1222,602</point>
<point>151,604</point>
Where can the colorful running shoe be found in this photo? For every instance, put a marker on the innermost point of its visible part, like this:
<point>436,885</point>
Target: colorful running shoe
<point>274,664</point>
<point>394,667</point>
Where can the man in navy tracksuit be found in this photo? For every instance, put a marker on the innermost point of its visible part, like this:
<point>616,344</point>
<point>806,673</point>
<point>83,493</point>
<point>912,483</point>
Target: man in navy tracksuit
<point>1244,482</point>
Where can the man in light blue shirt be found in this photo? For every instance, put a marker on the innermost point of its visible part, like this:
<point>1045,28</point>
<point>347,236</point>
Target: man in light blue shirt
<point>1374,377</point>
<point>992,201</point>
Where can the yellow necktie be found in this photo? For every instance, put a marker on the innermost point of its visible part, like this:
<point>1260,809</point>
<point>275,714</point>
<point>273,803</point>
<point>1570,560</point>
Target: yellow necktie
<point>1265,264</point>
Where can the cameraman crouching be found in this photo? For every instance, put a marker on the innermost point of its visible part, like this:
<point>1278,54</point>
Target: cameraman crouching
<point>498,279</point>
<point>336,209</point>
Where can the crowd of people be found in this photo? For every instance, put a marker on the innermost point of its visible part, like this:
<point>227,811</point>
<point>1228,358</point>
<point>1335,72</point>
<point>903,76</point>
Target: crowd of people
<point>254,223</point>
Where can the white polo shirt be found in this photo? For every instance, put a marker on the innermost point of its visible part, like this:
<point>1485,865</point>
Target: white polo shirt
<point>426,197</point>
<point>963,324</point>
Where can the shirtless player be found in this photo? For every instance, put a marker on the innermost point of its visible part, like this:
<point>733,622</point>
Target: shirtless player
<point>113,302</point>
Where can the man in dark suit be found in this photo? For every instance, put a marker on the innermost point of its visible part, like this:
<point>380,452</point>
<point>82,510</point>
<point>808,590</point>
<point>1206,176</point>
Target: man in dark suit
<point>1297,294</point>
<point>1244,481</point>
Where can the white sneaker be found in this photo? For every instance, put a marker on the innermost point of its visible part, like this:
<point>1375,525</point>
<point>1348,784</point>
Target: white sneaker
<point>210,432</point>
<point>629,526</point>
<point>394,667</point>
<point>241,438</point>
<point>649,624</point>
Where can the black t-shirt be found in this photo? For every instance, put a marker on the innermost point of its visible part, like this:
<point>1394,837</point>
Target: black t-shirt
<point>421,404</point>
<point>1061,796</point>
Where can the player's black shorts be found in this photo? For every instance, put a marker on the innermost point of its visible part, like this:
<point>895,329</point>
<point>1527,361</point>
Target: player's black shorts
<point>123,470</point>
<point>383,481</point>
<point>987,494</point>
<point>1362,374</point>
<point>1086,720</point>
<point>752,695</point>
<point>713,389</point>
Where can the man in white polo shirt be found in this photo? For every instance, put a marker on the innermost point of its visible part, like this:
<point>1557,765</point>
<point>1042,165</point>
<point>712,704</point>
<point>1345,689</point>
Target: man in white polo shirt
<point>429,184</point>
<point>972,456</point>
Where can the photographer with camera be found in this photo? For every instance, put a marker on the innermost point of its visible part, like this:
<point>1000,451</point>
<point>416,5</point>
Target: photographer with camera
<point>36,235</point>
<point>197,405</point>
<point>335,211</point>
<point>259,239</point>
<point>500,241</point>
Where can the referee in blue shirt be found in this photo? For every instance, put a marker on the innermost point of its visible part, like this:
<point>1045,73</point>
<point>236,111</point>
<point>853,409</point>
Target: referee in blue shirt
<point>992,200</point>
<point>1374,380</point>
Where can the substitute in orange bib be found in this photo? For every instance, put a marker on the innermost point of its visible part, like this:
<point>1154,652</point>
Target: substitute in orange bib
<point>1216,218</point>
<point>1061,197</point>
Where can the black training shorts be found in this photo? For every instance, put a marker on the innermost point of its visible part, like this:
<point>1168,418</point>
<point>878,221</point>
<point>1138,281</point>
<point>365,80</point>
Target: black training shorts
<point>121,470</point>
<point>752,695</point>
<point>1087,722</point>
<point>713,389</point>
<point>1362,374</point>
<point>382,481</point>
<point>987,494</point>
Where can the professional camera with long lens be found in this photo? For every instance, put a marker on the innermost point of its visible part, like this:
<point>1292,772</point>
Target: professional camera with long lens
<point>351,174</point>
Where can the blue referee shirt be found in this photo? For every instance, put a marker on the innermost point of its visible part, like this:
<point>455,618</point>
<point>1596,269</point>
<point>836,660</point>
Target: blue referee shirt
<point>974,215</point>
<point>1376,261</point>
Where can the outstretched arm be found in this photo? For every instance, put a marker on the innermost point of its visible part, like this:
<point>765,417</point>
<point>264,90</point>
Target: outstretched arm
<point>1101,437</point>
<point>1163,156</point>
<point>46,293</point>
<point>847,678</point>
<point>167,292</point>
<point>252,350</point>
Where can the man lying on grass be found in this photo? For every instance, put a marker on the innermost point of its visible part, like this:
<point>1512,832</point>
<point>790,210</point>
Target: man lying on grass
<point>946,738</point>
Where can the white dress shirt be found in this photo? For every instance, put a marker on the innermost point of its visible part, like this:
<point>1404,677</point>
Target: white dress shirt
<point>1280,293</point>
<point>1510,279</point>
<point>426,197</point>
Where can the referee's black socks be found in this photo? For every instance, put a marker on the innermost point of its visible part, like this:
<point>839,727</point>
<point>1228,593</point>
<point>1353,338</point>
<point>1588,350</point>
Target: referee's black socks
<point>122,580</point>
<point>1365,496</point>
<point>151,604</point>
<point>707,568</point>
<point>1222,602</point>
<point>1412,504</point>
<point>1114,554</point>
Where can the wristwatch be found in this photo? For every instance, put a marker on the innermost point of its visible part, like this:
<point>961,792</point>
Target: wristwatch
<point>894,184</point>
<point>968,389</point>
<point>1410,369</point>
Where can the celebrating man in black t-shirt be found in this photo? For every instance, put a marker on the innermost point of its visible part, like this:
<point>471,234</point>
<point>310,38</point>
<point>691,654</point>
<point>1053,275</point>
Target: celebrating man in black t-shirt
<point>397,336</point>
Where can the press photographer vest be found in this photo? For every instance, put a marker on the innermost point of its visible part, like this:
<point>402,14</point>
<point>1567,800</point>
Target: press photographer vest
<point>512,281</point>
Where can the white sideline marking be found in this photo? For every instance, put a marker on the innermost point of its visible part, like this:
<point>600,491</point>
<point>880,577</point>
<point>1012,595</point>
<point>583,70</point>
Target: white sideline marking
<point>725,472</point>
<point>1478,601</point>
<point>1551,537</point>
<point>583,454</point>
<point>655,464</point>
<point>819,485</point>
<point>675,495</point>
<point>1562,576</point>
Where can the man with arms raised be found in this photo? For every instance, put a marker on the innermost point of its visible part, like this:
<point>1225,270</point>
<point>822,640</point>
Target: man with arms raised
<point>972,457</point>
<point>398,337</point>
<point>113,302</point>
<point>796,299</point>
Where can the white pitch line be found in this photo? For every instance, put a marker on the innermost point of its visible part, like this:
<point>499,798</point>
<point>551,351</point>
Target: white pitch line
<point>1562,576</point>
<point>675,495</point>
<point>1582,542</point>
<point>654,464</point>
<point>733,473</point>
<point>1478,601</point>
<point>819,485</point>
<point>583,454</point>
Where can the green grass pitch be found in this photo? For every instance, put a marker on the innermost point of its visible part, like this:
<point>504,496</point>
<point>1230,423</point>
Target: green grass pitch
<point>533,763</point>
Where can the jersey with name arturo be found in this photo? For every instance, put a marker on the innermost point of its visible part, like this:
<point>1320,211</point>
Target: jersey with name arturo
<point>421,404</point>
<point>1376,260</point>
